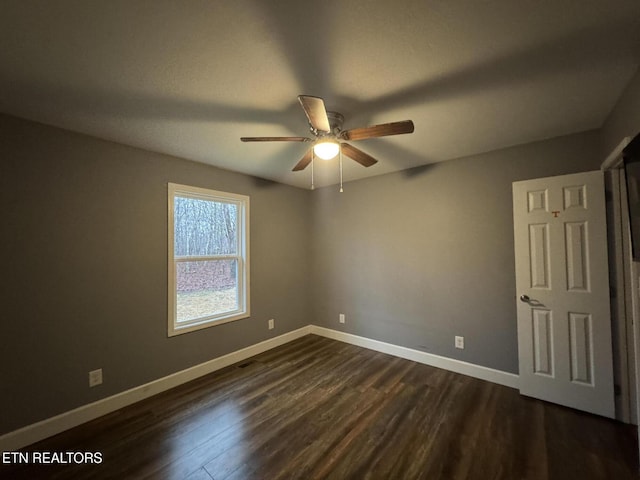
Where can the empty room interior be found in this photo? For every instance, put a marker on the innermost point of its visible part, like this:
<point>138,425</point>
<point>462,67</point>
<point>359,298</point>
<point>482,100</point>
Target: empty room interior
<point>192,291</point>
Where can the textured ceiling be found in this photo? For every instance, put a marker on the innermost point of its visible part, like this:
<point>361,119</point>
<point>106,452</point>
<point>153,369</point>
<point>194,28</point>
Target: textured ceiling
<point>189,78</point>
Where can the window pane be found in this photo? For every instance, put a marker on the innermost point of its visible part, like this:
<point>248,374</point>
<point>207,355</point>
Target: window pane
<point>206,288</point>
<point>204,227</point>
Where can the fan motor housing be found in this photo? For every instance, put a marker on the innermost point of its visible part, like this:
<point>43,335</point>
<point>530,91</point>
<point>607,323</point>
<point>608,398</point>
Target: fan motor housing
<point>336,120</point>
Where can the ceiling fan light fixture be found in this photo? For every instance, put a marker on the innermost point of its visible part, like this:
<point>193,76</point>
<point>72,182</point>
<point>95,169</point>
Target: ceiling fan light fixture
<point>326,149</point>
<point>329,139</point>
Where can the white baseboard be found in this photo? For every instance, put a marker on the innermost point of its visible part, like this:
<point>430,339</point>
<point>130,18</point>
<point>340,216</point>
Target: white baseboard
<point>51,426</point>
<point>483,373</point>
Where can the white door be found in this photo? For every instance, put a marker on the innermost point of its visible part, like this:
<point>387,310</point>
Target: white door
<point>562,282</point>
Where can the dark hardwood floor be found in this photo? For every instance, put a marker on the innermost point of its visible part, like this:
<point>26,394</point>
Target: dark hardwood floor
<point>317,408</point>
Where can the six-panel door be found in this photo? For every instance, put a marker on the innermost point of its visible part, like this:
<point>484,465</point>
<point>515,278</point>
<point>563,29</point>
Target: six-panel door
<point>562,282</point>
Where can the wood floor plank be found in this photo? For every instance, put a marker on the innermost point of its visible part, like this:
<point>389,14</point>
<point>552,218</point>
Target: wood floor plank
<point>316,408</point>
<point>200,474</point>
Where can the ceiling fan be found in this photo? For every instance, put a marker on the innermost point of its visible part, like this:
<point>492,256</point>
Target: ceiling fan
<point>329,140</point>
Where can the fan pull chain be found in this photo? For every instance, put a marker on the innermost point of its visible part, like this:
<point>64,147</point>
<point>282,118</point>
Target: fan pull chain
<point>341,190</point>
<point>312,158</point>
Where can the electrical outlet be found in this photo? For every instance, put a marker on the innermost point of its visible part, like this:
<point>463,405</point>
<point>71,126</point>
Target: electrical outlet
<point>272,324</point>
<point>95,377</point>
<point>342,318</point>
<point>459,342</point>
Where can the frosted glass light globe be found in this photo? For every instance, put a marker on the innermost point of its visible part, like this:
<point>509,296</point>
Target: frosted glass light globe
<point>326,149</point>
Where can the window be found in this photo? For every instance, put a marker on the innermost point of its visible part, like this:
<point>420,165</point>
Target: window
<point>208,258</point>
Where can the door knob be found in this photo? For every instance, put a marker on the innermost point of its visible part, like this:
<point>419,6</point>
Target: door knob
<point>524,298</point>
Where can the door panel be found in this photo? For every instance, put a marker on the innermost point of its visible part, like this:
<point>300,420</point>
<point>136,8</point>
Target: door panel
<point>577,261</point>
<point>581,339</point>
<point>539,255</point>
<point>542,346</point>
<point>564,331</point>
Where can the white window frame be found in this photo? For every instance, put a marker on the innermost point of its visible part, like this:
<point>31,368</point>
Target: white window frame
<point>242,257</point>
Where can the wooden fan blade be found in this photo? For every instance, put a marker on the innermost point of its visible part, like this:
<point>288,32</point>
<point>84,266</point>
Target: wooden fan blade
<point>275,139</point>
<point>383,130</point>
<point>358,155</point>
<point>316,113</point>
<point>302,164</point>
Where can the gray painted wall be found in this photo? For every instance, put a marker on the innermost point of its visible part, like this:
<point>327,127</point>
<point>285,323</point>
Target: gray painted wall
<point>624,119</point>
<point>416,257</point>
<point>84,242</point>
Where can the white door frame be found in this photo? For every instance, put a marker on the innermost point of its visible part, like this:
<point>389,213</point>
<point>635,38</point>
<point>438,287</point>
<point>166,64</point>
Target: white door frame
<point>627,297</point>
